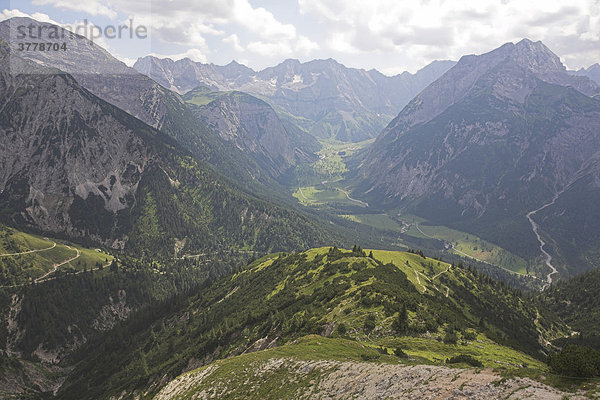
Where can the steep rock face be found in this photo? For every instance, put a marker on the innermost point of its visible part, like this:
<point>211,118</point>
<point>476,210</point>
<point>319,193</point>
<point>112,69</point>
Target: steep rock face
<point>495,137</point>
<point>111,80</point>
<point>60,143</point>
<point>184,75</point>
<point>253,126</point>
<point>95,69</point>
<point>322,97</point>
<point>512,66</point>
<point>76,165</point>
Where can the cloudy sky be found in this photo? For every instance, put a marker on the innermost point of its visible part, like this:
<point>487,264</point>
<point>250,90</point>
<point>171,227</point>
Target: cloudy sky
<point>389,35</point>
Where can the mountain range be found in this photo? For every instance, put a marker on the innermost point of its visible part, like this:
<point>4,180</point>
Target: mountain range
<point>498,136</point>
<point>111,80</point>
<point>150,246</point>
<point>321,97</point>
<point>592,72</point>
<point>76,165</point>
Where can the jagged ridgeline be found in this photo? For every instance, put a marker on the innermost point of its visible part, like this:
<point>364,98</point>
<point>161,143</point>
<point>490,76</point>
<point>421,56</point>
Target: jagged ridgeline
<point>81,166</point>
<point>111,80</point>
<point>370,303</point>
<point>498,136</point>
<point>321,98</point>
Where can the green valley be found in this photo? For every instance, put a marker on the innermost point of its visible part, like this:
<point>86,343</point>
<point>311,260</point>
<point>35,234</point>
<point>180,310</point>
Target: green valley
<point>463,244</point>
<point>330,168</point>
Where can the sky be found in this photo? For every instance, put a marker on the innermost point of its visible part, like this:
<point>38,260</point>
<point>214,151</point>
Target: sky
<point>391,36</point>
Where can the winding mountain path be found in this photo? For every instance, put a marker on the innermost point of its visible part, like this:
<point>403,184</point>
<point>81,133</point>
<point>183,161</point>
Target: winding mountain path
<point>419,280</point>
<point>440,274</point>
<point>302,194</point>
<point>46,277</point>
<point>535,227</point>
<point>56,266</point>
<point>30,251</point>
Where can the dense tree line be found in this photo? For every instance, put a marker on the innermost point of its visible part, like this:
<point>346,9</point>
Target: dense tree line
<point>576,301</point>
<point>61,313</point>
<point>576,361</point>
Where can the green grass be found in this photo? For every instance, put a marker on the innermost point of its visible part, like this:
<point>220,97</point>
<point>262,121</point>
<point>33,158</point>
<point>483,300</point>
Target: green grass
<point>435,351</point>
<point>311,195</point>
<point>414,265</point>
<point>202,96</point>
<point>379,221</point>
<point>283,298</point>
<point>465,243</point>
<point>314,347</point>
<point>329,169</point>
<point>473,246</point>
<point>332,154</point>
<point>322,194</point>
<point>90,258</point>
<point>273,373</point>
<point>19,269</point>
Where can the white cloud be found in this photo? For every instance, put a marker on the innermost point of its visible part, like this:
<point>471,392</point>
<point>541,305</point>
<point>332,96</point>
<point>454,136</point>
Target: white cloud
<point>270,48</point>
<point>234,41</point>
<point>7,14</point>
<point>89,7</point>
<point>305,46</point>
<point>451,28</point>
<point>385,34</point>
<point>190,23</point>
<point>261,22</point>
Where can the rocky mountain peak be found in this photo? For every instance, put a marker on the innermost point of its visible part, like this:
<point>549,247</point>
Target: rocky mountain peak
<point>510,71</point>
<point>536,57</point>
<point>81,56</point>
<point>283,71</point>
<point>592,72</point>
<point>489,141</point>
<point>235,70</point>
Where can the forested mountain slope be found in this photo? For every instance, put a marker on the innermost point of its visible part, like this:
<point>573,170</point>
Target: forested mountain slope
<point>379,298</point>
<point>74,164</point>
<point>111,80</point>
<point>253,127</point>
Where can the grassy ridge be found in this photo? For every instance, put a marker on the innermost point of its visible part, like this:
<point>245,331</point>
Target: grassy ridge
<point>238,377</point>
<point>18,264</point>
<point>372,300</point>
<point>246,376</point>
